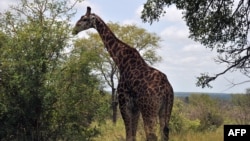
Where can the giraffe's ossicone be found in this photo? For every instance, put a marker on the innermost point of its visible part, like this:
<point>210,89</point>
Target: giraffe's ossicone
<point>141,88</point>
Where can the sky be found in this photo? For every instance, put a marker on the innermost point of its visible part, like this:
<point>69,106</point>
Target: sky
<point>182,58</point>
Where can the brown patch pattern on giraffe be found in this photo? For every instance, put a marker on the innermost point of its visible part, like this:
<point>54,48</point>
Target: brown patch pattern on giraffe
<point>141,88</point>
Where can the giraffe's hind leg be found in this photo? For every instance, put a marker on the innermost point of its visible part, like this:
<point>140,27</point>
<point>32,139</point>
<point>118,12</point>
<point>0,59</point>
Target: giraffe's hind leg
<point>149,116</point>
<point>149,127</point>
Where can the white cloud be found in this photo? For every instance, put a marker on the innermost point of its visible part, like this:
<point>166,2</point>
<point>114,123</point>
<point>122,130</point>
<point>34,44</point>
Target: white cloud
<point>173,15</point>
<point>193,48</point>
<point>175,33</point>
<point>188,60</point>
<point>129,22</point>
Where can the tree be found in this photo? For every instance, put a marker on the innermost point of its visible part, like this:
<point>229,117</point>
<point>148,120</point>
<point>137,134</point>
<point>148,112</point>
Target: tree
<point>204,108</point>
<point>241,108</point>
<point>179,121</point>
<point>221,25</point>
<point>146,43</point>
<point>34,34</point>
<point>80,99</point>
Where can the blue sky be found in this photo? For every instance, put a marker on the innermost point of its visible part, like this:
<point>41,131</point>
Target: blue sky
<point>182,58</point>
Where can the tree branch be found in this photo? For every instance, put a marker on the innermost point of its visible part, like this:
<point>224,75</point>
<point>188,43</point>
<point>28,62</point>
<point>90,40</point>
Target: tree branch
<point>235,84</point>
<point>204,79</point>
<point>239,5</point>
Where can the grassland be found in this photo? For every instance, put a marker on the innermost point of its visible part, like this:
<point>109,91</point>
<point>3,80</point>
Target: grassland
<point>111,132</point>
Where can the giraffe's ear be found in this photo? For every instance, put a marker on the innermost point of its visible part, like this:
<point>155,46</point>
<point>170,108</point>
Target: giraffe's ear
<point>88,11</point>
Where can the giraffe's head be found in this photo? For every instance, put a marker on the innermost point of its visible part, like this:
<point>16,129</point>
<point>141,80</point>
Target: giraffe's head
<point>86,21</point>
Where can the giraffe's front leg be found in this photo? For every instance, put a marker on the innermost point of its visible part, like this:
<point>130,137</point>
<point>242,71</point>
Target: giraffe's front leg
<point>124,105</point>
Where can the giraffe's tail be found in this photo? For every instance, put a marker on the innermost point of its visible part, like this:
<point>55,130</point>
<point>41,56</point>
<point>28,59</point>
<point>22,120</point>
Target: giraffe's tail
<point>169,103</point>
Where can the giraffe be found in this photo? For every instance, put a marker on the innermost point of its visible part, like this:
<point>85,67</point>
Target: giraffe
<point>141,89</point>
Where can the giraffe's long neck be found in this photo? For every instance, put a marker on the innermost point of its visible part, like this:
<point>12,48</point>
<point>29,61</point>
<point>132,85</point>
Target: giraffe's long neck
<point>122,54</point>
<point>108,37</point>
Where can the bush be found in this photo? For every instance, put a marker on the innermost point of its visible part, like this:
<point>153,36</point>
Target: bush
<point>205,108</point>
<point>210,121</point>
<point>179,122</point>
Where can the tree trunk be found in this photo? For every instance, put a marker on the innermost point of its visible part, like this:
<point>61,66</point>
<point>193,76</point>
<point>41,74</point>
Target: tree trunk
<point>114,105</point>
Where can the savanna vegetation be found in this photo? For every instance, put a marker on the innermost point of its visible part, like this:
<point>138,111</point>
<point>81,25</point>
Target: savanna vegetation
<point>198,117</point>
<point>52,85</point>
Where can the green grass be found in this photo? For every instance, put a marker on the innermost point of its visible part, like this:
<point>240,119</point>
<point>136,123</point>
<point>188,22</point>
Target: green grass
<point>111,132</point>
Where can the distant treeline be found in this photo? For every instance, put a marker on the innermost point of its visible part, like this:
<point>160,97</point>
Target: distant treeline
<point>224,96</point>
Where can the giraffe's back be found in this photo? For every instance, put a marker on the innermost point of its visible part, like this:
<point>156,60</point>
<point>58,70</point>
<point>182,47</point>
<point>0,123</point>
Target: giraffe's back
<point>144,81</point>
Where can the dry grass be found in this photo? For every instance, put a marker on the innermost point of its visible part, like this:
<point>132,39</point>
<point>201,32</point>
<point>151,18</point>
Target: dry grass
<point>199,136</point>
<point>110,132</point>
